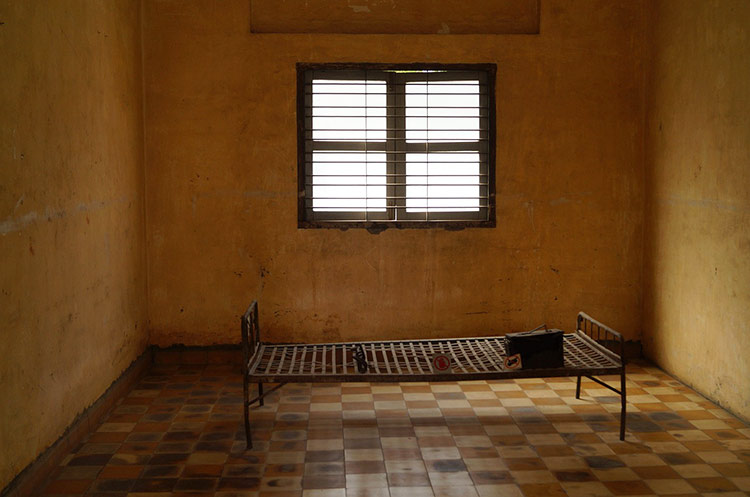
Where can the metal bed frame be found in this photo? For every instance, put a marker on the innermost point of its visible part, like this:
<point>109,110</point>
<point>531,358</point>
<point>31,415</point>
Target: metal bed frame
<point>593,349</point>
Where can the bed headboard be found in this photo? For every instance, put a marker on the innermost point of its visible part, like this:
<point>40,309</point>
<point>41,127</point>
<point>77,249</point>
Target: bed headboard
<point>250,333</point>
<point>602,334</point>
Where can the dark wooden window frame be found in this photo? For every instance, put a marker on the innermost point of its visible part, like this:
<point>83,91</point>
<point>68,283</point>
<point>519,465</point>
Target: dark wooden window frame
<point>378,225</point>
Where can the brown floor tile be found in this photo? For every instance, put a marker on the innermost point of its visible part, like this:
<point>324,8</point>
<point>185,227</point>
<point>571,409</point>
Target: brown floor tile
<point>436,441</point>
<point>445,465</point>
<point>681,458</point>
<point>574,475</point>
<point>168,458</point>
<point>196,485</point>
<point>401,454</point>
<point>554,450</point>
<point>490,477</point>
<point>627,487</point>
<point>477,453</point>
<point>77,472</point>
<point>508,440</point>
<point>362,443</point>
<point>656,472</point>
<point>74,487</point>
<point>121,471</point>
<point>137,448</point>
<point>733,469</point>
<point>202,471</point>
<point>154,485</point>
<point>525,464</point>
<point>706,485</point>
<point>364,467</point>
<point>107,437</point>
<point>543,490</point>
<point>113,485</point>
<point>238,484</point>
<point>166,471</point>
<point>243,470</point>
<point>324,456</point>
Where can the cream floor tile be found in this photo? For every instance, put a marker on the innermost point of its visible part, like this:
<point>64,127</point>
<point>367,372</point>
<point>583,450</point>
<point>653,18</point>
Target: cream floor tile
<point>670,486</point>
<point>411,492</point>
<point>399,442</point>
<point>641,460</point>
<point>503,429</point>
<point>367,492</point>
<point>363,455</point>
<point>432,431</point>
<point>325,492</point>
<point>536,476</point>
<point>616,474</point>
<point>367,480</point>
<point>742,482</point>
<point>464,491</point>
<point>561,463</point>
<point>509,490</point>
<point>586,489</point>
<point>545,439</point>
<point>718,456</point>
<point>368,432</point>
<point>453,479</point>
<point>695,470</point>
<point>432,453</point>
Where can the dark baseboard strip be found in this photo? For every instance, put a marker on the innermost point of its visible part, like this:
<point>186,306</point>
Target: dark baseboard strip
<point>633,349</point>
<point>188,355</point>
<point>31,480</point>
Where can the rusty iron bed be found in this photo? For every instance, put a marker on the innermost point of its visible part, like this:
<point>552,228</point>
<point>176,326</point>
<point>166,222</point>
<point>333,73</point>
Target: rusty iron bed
<point>592,350</point>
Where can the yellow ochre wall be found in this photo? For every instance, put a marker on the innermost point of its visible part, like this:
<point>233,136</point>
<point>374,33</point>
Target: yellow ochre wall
<point>697,250</point>
<point>222,181</point>
<point>72,241</point>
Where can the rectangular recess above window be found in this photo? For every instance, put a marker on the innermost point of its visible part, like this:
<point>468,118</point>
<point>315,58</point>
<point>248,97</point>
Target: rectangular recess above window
<point>395,16</point>
<point>396,145</point>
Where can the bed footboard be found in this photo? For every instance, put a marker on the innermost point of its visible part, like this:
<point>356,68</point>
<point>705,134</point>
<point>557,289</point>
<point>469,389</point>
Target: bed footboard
<point>250,346</point>
<point>611,343</point>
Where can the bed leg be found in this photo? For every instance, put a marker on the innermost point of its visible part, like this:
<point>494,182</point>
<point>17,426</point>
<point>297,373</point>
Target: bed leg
<point>578,387</point>
<point>246,408</point>
<point>248,437</point>
<point>623,402</point>
<point>260,393</point>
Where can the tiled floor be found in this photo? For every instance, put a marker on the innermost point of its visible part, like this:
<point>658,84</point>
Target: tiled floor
<point>180,433</point>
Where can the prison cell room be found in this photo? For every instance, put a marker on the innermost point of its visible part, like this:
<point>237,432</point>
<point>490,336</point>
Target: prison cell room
<point>328,248</point>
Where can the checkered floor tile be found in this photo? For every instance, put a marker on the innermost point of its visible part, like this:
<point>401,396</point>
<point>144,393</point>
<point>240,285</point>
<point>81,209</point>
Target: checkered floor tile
<point>179,433</point>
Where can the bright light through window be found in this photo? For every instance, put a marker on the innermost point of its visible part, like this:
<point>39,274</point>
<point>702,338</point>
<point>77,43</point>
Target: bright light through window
<point>396,145</point>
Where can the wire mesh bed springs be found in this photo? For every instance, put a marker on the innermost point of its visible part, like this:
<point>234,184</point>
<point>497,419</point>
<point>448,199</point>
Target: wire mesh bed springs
<point>592,350</point>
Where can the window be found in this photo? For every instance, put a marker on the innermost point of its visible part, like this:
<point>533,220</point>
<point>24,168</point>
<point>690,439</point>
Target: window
<point>397,145</point>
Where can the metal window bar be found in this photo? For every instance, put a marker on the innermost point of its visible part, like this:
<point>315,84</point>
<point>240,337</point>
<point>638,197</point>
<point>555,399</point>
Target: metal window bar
<point>380,140</point>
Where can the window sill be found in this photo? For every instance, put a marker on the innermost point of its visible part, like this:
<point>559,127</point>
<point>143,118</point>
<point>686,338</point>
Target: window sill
<point>376,227</point>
